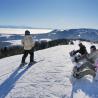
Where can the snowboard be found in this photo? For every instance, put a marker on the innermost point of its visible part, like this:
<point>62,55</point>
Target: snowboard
<point>23,64</point>
<point>81,73</point>
<point>30,64</point>
<point>27,64</point>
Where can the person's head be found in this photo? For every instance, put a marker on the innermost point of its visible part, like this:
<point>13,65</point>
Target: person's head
<point>93,48</point>
<point>27,32</point>
<point>80,44</point>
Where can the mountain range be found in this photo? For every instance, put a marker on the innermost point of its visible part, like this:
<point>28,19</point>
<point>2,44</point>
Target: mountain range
<point>84,34</point>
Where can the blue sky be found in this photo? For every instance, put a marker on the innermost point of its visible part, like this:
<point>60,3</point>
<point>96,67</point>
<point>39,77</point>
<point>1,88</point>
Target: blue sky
<point>56,14</point>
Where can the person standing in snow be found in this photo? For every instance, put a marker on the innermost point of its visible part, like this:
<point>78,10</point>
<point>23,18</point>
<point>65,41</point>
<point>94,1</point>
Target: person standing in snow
<point>28,44</point>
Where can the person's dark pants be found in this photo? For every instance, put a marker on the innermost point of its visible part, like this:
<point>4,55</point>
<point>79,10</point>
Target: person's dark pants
<point>26,52</point>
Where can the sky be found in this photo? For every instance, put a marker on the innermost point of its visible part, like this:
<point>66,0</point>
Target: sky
<point>55,14</point>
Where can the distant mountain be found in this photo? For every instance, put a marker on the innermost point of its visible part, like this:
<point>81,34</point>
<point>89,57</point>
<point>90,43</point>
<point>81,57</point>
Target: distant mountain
<point>84,34</point>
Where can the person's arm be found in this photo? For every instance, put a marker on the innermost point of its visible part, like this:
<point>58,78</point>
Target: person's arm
<point>89,59</point>
<point>22,42</point>
<point>76,51</point>
<point>33,43</point>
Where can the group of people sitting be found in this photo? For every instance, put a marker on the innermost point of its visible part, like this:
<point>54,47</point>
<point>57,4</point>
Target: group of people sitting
<point>90,59</point>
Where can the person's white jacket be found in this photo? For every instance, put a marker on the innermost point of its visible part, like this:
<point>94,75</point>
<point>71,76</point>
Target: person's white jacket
<point>93,56</point>
<point>28,42</point>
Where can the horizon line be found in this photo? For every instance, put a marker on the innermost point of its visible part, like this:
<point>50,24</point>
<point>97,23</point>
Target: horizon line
<point>30,27</point>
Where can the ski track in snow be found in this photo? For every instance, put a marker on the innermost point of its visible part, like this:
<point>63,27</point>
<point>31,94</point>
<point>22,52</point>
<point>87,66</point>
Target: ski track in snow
<point>50,77</point>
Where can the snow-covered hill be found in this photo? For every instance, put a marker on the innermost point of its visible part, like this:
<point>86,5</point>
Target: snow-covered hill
<point>50,77</point>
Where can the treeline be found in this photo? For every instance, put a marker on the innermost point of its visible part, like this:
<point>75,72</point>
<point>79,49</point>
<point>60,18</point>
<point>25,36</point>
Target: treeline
<point>14,50</point>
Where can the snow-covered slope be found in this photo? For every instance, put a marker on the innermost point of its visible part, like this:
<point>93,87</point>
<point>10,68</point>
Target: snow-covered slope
<point>50,77</point>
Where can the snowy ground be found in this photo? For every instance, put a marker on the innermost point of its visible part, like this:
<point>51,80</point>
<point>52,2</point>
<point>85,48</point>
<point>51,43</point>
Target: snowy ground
<point>50,77</point>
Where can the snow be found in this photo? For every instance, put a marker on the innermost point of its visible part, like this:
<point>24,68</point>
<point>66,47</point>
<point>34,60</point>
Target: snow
<point>50,77</point>
<point>21,31</point>
<point>45,39</point>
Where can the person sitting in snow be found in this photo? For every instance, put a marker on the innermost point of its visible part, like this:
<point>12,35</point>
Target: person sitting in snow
<point>93,56</point>
<point>89,62</point>
<point>82,51</point>
<point>92,62</point>
<point>91,59</point>
<point>28,45</point>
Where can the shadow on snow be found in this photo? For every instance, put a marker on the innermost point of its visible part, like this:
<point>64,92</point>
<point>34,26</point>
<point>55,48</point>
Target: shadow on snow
<point>89,88</point>
<point>9,83</point>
